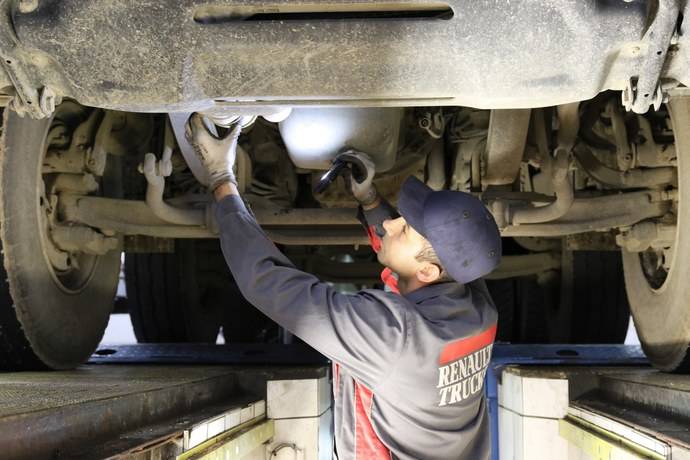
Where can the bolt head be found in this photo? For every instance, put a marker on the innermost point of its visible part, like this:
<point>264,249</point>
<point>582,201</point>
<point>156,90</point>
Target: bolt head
<point>27,6</point>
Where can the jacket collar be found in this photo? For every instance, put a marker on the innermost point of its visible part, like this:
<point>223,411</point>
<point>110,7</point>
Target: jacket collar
<point>435,290</point>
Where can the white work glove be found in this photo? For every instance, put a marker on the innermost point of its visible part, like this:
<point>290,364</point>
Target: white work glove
<point>217,155</point>
<point>360,176</point>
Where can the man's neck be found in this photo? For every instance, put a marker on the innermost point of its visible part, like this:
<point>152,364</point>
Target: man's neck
<point>407,285</point>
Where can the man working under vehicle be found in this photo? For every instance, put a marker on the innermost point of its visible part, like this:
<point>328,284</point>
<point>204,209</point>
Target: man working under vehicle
<point>409,367</point>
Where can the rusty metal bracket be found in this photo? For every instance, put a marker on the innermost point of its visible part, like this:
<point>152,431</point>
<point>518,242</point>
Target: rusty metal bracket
<point>37,101</point>
<point>505,146</point>
<point>644,87</point>
<point>433,123</point>
<point>647,234</point>
<point>633,178</point>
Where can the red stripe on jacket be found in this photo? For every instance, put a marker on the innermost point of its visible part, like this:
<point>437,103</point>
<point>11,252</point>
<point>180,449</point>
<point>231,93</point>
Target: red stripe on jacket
<point>463,347</point>
<point>336,379</point>
<point>368,446</point>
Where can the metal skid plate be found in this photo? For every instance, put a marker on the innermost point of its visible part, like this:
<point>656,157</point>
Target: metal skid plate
<point>188,56</point>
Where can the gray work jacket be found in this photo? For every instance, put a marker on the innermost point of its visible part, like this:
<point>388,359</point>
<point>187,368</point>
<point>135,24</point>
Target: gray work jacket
<point>410,368</point>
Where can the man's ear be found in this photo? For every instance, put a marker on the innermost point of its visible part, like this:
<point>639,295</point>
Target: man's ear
<point>428,273</point>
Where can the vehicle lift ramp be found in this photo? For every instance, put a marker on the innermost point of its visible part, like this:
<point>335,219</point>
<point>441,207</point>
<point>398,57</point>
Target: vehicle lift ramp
<point>585,402</point>
<point>263,401</point>
<point>171,401</point>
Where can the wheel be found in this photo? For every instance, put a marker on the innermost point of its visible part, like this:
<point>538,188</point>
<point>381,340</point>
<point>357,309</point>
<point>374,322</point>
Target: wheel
<point>589,305</point>
<point>167,298</point>
<point>521,304</point>
<point>503,294</point>
<point>600,310</point>
<point>584,303</point>
<point>187,296</point>
<point>658,281</point>
<point>54,304</point>
<point>534,298</point>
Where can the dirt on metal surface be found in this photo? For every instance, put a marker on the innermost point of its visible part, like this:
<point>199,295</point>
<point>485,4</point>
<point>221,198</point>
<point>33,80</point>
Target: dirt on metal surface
<point>45,414</point>
<point>36,391</point>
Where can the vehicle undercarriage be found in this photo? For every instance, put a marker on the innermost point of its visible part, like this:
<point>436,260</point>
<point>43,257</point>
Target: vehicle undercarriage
<point>569,121</point>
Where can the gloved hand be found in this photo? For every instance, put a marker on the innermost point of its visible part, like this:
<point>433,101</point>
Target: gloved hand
<point>217,155</point>
<point>360,176</point>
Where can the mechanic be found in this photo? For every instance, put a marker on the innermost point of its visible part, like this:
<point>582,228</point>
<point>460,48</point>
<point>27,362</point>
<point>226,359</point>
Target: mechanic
<point>409,367</point>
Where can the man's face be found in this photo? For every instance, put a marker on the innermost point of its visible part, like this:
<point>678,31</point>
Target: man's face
<point>399,246</point>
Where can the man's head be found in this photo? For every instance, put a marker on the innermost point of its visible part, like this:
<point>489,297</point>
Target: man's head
<point>409,254</point>
<point>441,235</point>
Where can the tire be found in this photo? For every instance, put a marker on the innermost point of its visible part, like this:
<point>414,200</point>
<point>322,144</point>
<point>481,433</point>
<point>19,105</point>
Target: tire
<point>165,297</point>
<point>48,319</point>
<point>585,303</point>
<point>601,313</point>
<point>187,296</point>
<point>533,324</point>
<point>503,294</point>
<point>589,305</point>
<point>661,305</point>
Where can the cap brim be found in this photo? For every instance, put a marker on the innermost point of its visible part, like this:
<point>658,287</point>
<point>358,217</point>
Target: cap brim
<point>411,200</point>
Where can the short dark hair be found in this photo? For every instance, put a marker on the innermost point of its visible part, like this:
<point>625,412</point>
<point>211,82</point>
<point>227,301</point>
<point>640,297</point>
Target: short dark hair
<point>428,254</point>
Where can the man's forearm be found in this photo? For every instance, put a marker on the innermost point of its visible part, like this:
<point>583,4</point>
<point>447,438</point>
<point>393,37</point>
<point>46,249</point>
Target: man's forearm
<point>225,189</point>
<point>359,331</point>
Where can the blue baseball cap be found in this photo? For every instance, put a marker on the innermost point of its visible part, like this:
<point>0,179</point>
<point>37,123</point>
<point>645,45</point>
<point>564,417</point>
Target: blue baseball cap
<point>461,230</point>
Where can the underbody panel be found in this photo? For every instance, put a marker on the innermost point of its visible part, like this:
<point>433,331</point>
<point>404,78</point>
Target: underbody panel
<point>185,56</point>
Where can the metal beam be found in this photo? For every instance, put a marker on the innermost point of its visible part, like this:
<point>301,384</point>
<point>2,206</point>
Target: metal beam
<point>340,227</point>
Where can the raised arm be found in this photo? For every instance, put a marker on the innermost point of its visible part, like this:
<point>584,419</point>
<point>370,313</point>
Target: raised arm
<point>362,332</point>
